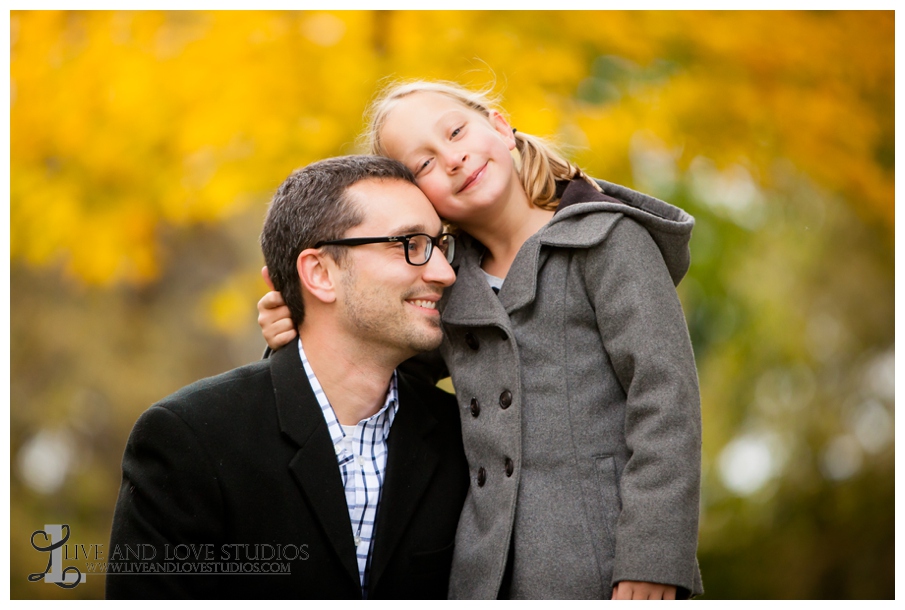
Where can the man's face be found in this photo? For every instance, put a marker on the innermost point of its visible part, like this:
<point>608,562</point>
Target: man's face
<point>384,300</point>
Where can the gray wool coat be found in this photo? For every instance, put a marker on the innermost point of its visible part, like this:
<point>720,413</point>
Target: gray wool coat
<point>579,404</point>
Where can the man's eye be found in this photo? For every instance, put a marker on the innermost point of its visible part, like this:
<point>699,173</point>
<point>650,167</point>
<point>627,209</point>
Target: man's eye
<point>417,245</point>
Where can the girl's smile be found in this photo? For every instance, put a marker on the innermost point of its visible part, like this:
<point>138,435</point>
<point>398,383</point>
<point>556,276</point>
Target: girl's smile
<point>473,178</point>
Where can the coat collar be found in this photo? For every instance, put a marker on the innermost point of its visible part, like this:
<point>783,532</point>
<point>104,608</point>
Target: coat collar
<point>584,218</point>
<point>411,462</point>
<point>471,302</point>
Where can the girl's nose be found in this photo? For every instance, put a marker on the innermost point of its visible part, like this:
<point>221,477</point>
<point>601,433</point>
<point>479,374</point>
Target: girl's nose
<point>455,159</point>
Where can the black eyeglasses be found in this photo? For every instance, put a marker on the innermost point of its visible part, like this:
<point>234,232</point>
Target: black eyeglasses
<point>418,247</point>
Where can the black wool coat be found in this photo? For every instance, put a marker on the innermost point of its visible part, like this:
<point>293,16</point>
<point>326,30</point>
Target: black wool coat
<point>234,478</point>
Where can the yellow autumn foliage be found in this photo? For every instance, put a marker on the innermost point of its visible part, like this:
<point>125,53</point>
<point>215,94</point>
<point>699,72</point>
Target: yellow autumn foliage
<point>125,122</point>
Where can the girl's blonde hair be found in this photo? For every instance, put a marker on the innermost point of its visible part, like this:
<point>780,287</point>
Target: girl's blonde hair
<point>540,165</point>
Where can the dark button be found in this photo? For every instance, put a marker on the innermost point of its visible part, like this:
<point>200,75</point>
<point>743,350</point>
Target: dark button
<point>471,341</point>
<point>510,467</point>
<point>482,476</point>
<point>505,399</point>
<point>475,407</point>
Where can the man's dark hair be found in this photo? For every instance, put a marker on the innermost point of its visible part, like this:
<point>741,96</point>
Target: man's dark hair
<point>312,206</point>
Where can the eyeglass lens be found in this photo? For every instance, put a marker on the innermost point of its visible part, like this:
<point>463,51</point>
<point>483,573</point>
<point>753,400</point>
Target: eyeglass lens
<point>420,247</point>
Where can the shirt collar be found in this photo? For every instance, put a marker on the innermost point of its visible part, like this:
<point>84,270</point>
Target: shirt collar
<point>382,420</point>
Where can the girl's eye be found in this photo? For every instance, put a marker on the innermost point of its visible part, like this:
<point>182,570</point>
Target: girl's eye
<point>456,132</point>
<point>421,167</point>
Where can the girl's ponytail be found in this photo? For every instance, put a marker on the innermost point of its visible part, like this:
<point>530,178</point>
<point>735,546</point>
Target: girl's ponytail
<point>540,167</point>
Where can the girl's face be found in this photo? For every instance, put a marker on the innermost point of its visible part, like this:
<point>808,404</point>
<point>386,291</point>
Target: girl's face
<point>460,157</point>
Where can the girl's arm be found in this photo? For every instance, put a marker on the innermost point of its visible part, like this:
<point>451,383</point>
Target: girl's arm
<point>275,321</point>
<point>643,329</point>
<point>274,318</point>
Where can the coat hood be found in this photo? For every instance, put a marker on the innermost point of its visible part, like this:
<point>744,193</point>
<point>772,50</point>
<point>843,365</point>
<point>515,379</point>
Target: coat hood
<point>578,222</point>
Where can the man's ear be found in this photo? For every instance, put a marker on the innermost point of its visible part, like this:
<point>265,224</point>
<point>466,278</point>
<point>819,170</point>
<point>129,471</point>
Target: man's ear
<point>502,126</point>
<point>317,273</point>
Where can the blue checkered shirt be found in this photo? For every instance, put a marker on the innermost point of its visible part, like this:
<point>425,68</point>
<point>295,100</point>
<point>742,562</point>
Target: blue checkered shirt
<point>362,459</point>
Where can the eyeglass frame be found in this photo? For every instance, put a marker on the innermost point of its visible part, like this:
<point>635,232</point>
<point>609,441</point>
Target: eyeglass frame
<point>404,239</point>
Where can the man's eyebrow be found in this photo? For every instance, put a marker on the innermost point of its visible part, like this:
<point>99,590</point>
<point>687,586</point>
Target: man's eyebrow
<point>408,229</point>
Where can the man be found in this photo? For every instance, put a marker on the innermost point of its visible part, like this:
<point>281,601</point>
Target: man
<point>321,472</point>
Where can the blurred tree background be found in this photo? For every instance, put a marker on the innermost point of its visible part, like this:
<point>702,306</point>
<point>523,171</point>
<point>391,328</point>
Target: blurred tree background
<point>145,147</point>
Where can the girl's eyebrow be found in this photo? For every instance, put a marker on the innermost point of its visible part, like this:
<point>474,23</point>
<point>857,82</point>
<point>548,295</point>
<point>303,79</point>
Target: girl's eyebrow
<point>454,113</point>
<point>439,126</point>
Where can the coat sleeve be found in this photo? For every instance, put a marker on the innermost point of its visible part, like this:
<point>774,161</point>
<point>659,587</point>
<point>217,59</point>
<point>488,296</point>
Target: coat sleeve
<point>643,330</point>
<point>169,496</point>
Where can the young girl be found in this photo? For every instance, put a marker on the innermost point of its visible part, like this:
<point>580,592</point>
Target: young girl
<point>569,353</point>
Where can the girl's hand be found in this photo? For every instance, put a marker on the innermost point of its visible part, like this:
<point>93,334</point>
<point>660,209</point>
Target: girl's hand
<point>274,318</point>
<point>630,589</point>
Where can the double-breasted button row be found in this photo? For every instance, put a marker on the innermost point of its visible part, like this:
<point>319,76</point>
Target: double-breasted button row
<point>509,468</point>
<point>505,403</point>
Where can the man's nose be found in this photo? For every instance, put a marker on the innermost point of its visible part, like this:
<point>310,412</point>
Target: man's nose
<point>438,271</point>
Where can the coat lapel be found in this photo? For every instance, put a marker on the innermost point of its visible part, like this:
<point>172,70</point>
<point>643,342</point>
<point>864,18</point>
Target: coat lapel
<point>472,302</point>
<point>411,462</point>
<point>520,286</point>
<point>314,466</point>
